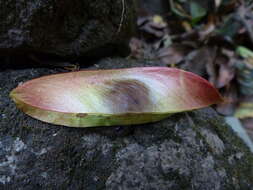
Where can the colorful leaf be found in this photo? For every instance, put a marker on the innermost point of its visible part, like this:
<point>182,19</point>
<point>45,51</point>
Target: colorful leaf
<point>113,97</point>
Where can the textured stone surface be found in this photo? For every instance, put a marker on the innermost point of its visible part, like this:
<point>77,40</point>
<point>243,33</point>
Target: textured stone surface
<point>193,150</point>
<point>65,28</point>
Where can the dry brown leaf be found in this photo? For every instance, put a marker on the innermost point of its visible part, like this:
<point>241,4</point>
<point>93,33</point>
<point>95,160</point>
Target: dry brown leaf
<point>136,46</point>
<point>153,25</point>
<point>226,72</point>
<point>173,54</point>
<point>197,60</point>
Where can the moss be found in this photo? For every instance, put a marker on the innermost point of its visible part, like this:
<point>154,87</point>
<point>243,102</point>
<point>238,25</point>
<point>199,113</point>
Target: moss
<point>242,170</point>
<point>183,182</point>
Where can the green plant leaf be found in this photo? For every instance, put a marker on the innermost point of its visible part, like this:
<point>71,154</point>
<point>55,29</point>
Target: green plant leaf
<point>113,97</point>
<point>244,52</point>
<point>197,11</point>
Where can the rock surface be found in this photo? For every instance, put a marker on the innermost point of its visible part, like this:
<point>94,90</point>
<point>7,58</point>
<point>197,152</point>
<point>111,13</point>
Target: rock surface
<point>65,28</point>
<point>193,150</point>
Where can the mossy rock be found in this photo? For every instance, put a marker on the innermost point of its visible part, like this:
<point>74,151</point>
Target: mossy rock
<point>192,150</point>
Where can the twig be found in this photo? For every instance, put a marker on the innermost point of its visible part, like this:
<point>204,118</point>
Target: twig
<point>122,16</point>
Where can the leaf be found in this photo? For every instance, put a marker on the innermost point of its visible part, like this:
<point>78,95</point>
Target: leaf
<point>197,11</point>
<point>245,110</point>
<point>244,52</point>
<point>229,27</point>
<point>178,10</point>
<point>245,71</point>
<point>153,25</point>
<point>113,97</point>
<point>226,71</point>
<point>173,54</point>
